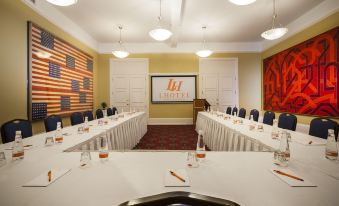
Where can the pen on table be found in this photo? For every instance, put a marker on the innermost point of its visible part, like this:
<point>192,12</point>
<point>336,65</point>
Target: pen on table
<point>288,175</point>
<point>49,176</point>
<point>177,176</point>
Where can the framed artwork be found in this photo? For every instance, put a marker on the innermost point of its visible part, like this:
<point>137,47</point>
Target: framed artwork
<point>304,79</point>
<point>60,76</point>
<point>173,89</point>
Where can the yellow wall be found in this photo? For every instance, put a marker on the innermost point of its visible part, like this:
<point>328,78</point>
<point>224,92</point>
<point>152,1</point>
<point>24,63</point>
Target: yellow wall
<point>13,68</point>
<point>318,28</point>
<point>249,78</point>
<point>13,57</point>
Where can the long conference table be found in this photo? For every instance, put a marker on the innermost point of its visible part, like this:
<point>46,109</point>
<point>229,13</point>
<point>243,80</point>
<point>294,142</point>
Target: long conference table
<point>242,177</point>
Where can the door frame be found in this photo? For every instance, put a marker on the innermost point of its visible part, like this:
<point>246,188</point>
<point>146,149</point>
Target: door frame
<point>235,59</point>
<point>145,73</point>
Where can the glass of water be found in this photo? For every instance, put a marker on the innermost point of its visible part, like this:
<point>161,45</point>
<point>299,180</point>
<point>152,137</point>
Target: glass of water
<point>85,158</point>
<point>192,160</point>
<point>2,158</point>
<point>49,141</point>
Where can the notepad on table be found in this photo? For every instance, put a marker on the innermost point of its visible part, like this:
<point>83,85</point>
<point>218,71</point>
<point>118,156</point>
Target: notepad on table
<point>291,178</point>
<point>43,179</point>
<point>175,181</point>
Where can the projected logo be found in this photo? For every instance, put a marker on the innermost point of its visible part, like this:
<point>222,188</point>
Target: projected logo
<point>173,89</point>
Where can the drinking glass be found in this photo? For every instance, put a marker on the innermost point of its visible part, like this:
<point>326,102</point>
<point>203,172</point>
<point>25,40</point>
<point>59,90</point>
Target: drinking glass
<point>85,158</point>
<point>331,150</point>
<point>2,158</point>
<point>49,141</point>
<point>192,159</point>
<point>80,130</point>
<point>260,127</point>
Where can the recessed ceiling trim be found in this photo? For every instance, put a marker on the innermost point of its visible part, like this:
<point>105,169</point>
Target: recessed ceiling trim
<point>46,10</point>
<point>306,20</point>
<point>217,47</point>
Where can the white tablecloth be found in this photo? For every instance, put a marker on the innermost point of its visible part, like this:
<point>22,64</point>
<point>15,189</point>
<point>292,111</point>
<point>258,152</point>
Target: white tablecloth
<point>220,137</point>
<point>223,135</point>
<point>122,134</point>
<point>243,177</point>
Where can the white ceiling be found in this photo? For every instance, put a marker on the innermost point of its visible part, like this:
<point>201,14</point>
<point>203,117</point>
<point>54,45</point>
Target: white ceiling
<point>225,21</point>
<point>230,28</point>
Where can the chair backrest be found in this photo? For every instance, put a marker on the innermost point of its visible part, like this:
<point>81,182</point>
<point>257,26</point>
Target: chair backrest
<point>9,128</point>
<point>255,114</point>
<point>319,127</point>
<point>234,110</point>
<point>76,118</point>
<point>269,117</point>
<point>115,110</point>
<point>89,115</point>
<point>109,112</point>
<point>287,121</point>
<point>229,110</point>
<point>99,114</point>
<point>242,113</point>
<point>51,122</point>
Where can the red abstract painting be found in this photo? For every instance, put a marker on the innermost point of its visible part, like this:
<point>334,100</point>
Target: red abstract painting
<point>304,79</point>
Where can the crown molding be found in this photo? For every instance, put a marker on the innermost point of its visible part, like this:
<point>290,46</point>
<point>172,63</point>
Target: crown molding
<point>158,47</point>
<point>47,10</point>
<point>306,20</point>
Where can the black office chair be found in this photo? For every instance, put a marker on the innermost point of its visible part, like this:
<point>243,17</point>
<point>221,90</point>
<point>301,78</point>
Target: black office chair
<point>89,115</point>
<point>99,114</point>
<point>51,122</point>
<point>115,110</point>
<point>76,118</point>
<point>234,110</point>
<point>229,110</point>
<point>255,114</point>
<point>109,112</point>
<point>287,121</point>
<point>269,117</point>
<point>242,113</point>
<point>319,127</point>
<point>9,128</point>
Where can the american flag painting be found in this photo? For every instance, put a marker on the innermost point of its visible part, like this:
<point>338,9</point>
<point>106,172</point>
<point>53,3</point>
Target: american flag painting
<point>60,76</point>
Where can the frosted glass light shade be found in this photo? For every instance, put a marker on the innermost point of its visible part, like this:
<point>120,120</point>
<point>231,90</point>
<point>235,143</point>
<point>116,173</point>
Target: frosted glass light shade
<point>204,53</point>
<point>62,2</point>
<point>242,2</point>
<point>120,54</point>
<point>160,34</point>
<point>275,33</point>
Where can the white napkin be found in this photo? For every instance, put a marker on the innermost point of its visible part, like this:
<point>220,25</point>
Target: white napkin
<point>42,180</point>
<point>291,181</point>
<point>172,181</point>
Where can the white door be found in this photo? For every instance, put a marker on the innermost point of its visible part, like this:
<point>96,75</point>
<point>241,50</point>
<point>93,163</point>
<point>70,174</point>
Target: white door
<point>138,98</point>
<point>218,77</point>
<point>210,90</point>
<point>129,84</point>
<point>120,93</point>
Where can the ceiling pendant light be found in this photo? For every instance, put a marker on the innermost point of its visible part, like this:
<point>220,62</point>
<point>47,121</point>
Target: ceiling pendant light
<point>274,32</point>
<point>120,52</point>
<point>62,2</point>
<point>160,33</point>
<point>242,2</point>
<point>204,52</point>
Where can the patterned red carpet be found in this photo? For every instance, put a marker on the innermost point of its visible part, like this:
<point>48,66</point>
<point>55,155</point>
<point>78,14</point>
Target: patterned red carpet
<point>169,137</point>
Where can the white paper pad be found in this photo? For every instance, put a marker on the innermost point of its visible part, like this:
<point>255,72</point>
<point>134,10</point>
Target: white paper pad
<point>42,180</point>
<point>26,147</point>
<point>292,182</point>
<point>172,181</point>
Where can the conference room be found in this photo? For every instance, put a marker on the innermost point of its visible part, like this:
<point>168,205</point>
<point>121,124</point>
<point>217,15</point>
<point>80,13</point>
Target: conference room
<point>169,102</point>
